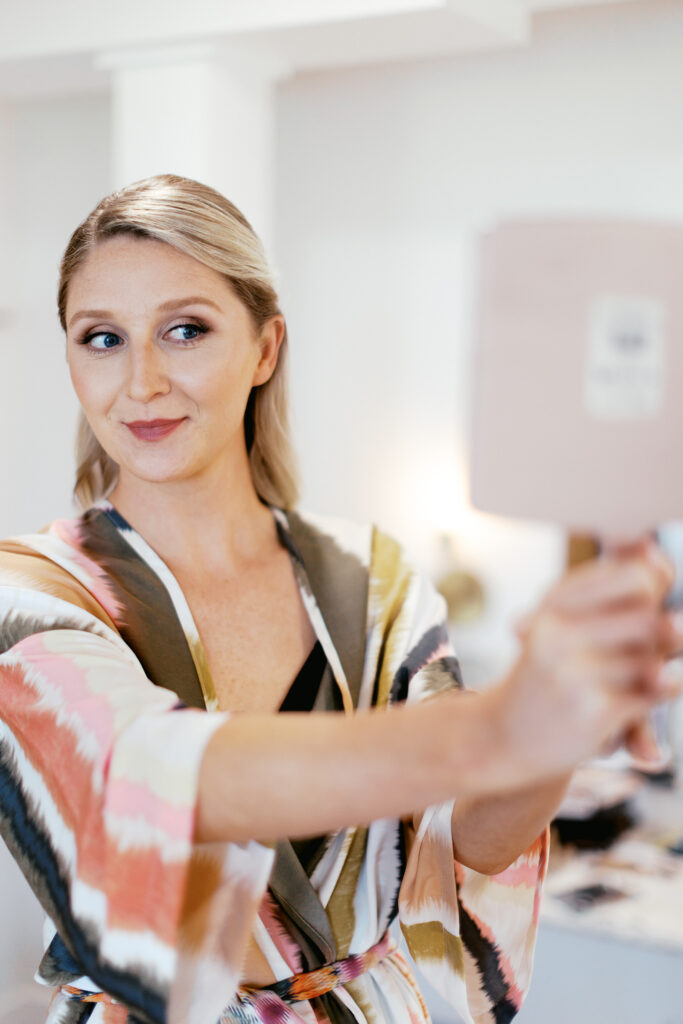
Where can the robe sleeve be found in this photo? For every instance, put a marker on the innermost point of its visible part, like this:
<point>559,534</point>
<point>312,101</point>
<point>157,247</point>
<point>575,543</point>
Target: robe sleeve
<point>99,773</point>
<point>471,935</point>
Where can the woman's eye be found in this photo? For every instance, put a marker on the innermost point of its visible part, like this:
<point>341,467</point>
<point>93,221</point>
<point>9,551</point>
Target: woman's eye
<point>102,341</point>
<point>187,332</point>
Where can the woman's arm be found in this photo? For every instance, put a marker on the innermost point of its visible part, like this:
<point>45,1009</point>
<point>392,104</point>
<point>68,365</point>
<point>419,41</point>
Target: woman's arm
<point>266,777</point>
<point>489,833</point>
<point>589,670</point>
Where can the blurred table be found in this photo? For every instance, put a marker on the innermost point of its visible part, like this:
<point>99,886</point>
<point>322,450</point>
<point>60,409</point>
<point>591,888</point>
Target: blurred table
<point>619,958</point>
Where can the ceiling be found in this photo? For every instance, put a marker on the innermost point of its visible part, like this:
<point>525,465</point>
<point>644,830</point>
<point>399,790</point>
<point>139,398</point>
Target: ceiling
<point>41,53</point>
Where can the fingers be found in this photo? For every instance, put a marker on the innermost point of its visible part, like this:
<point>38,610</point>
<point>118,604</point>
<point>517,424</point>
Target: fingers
<point>558,643</point>
<point>662,564</point>
<point>593,655</point>
<point>672,634</point>
<point>639,628</point>
<point>565,710</point>
<point>612,581</point>
<point>633,580</point>
<point>637,673</point>
<point>644,673</point>
<point>669,680</point>
<point>644,546</point>
<point>616,677</point>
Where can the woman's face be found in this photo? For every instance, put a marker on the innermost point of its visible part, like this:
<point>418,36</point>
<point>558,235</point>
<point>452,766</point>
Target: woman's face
<point>163,355</point>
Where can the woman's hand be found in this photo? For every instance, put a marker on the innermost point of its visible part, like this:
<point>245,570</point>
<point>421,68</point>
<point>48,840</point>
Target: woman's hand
<point>589,671</point>
<point>592,663</point>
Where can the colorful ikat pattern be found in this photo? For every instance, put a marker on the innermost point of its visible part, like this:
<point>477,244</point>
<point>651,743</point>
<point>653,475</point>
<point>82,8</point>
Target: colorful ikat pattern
<point>106,708</point>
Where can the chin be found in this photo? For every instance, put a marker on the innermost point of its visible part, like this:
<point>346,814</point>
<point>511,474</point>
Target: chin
<point>154,463</point>
<point>161,476</point>
<point>154,471</point>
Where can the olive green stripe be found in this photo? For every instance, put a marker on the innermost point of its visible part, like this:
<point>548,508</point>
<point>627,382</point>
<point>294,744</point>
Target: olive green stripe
<point>340,906</point>
<point>201,664</point>
<point>389,584</point>
<point>431,941</point>
<point>357,991</point>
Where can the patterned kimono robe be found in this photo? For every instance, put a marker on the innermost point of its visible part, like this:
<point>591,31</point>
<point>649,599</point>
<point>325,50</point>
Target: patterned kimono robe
<point>106,707</point>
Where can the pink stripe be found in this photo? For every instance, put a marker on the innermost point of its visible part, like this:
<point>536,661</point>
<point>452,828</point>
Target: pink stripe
<point>535,863</point>
<point>285,946</point>
<point>135,800</point>
<point>521,873</point>
<point>513,992</point>
<point>68,530</point>
<point>442,651</point>
<point>64,675</point>
<point>124,797</point>
<point>544,859</point>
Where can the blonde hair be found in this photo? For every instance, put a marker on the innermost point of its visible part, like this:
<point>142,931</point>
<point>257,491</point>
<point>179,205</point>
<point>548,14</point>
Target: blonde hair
<point>202,223</point>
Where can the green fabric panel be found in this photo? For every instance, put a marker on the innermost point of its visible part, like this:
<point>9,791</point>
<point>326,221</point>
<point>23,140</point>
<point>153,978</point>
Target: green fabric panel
<point>290,886</point>
<point>149,624</point>
<point>434,942</point>
<point>340,906</point>
<point>339,582</point>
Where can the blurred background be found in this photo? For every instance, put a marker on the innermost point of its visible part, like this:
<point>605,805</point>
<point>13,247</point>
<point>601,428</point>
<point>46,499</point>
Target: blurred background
<point>370,142</point>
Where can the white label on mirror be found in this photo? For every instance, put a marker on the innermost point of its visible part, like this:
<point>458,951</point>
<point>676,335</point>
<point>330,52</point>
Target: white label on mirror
<point>624,376</point>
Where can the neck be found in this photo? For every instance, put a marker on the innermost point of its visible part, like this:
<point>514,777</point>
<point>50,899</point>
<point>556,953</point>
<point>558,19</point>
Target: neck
<point>203,525</point>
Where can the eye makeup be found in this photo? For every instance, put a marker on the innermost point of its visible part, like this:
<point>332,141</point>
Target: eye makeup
<point>199,329</point>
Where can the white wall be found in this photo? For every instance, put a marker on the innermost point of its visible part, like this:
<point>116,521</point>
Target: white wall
<point>384,177</point>
<point>55,166</point>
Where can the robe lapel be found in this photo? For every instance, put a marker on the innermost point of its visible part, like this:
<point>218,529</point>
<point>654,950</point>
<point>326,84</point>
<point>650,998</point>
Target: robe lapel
<point>334,587</point>
<point>289,882</point>
<point>291,887</point>
<point>149,623</point>
<point>338,581</point>
<point>334,584</point>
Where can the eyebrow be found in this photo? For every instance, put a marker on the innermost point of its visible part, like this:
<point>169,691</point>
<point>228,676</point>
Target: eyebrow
<point>164,307</point>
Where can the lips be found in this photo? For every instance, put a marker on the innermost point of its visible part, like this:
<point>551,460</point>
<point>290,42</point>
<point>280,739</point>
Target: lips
<point>153,430</point>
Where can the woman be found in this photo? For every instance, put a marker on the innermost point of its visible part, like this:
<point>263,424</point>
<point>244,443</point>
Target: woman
<point>198,855</point>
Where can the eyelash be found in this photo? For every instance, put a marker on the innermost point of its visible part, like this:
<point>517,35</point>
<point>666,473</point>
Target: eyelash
<point>199,327</point>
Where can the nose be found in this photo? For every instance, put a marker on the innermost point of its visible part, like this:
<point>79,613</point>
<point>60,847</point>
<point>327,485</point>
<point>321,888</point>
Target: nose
<point>147,376</point>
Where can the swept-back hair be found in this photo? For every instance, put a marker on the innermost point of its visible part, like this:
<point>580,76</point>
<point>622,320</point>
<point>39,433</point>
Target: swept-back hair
<point>202,223</point>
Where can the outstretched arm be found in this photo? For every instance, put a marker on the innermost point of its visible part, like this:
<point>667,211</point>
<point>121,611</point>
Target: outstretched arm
<point>489,833</point>
<point>590,669</point>
<point>594,625</point>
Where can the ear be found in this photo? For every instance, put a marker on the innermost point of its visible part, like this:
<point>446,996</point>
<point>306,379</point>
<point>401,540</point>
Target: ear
<point>269,341</point>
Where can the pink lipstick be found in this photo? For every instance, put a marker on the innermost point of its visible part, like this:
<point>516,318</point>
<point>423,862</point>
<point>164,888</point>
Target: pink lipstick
<point>153,430</point>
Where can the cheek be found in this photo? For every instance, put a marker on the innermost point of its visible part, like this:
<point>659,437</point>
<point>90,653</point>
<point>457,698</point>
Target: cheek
<point>222,386</point>
<point>79,380</point>
<point>92,389</point>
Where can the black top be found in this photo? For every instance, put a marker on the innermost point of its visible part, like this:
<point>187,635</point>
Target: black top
<point>301,697</point>
<point>303,691</point>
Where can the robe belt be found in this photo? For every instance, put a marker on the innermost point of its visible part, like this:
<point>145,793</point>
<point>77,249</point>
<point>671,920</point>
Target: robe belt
<point>295,989</point>
<point>311,984</point>
<point>82,995</point>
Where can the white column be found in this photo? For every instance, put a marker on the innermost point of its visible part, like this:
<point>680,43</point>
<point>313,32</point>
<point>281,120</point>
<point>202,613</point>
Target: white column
<point>8,212</point>
<point>197,111</point>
